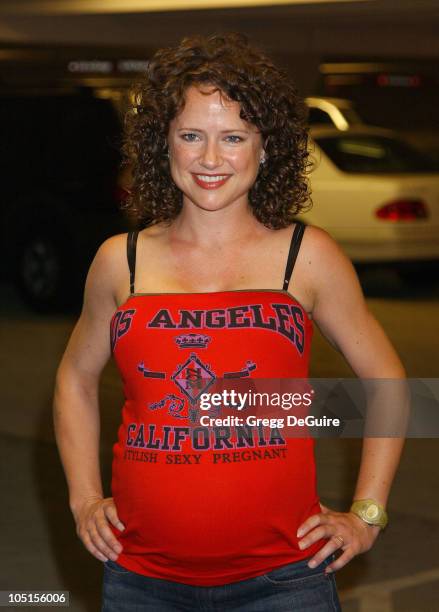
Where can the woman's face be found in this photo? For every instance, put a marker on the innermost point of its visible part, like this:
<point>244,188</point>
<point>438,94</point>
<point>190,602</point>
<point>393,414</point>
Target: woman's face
<point>214,155</point>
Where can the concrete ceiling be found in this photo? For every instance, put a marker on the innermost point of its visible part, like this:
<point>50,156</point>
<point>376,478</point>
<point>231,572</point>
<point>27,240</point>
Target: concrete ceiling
<point>88,7</point>
<point>381,27</point>
<point>398,9</point>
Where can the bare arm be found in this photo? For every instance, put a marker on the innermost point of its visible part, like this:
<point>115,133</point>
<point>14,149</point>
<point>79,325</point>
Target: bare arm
<point>76,407</point>
<point>341,313</point>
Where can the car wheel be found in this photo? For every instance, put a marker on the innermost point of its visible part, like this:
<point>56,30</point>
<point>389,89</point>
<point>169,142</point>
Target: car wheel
<point>45,274</point>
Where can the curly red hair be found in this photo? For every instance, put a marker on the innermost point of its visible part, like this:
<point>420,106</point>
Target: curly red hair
<point>268,99</point>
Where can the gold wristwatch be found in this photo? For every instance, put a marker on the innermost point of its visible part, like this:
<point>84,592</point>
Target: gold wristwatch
<point>370,512</point>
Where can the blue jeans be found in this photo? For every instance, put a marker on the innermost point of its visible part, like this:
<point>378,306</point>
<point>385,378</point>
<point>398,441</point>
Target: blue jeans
<point>291,587</point>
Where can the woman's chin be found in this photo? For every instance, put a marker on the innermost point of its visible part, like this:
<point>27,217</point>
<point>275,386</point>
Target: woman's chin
<point>212,204</point>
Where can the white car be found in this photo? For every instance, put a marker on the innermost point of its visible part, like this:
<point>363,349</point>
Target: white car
<point>376,195</point>
<point>336,112</point>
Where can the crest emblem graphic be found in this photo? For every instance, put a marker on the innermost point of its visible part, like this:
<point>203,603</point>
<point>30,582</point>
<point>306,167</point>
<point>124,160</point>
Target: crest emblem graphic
<point>193,378</point>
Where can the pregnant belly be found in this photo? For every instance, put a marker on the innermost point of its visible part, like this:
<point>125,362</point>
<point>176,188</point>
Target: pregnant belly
<point>229,506</point>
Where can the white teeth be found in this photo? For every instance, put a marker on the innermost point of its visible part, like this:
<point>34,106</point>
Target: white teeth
<point>211,179</point>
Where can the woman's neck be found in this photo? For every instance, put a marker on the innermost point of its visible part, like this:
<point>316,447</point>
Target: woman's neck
<point>207,228</point>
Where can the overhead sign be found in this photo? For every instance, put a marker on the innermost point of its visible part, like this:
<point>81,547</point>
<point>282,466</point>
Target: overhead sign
<point>106,66</point>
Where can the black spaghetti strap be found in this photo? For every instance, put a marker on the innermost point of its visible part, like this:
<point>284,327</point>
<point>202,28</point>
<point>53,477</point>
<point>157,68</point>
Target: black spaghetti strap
<point>294,250</point>
<point>131,256</point>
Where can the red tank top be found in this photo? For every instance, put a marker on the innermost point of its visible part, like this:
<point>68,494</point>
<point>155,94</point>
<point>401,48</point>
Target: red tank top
<point>208,505</point>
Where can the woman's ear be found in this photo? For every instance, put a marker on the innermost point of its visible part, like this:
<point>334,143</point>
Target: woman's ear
<point>263,157</point>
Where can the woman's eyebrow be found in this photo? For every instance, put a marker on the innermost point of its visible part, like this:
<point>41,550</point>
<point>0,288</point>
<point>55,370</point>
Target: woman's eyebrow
<point>236,130</point>
<point>230,131</point>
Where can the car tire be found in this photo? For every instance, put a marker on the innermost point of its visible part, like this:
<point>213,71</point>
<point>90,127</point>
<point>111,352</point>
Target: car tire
<point>45,273</point>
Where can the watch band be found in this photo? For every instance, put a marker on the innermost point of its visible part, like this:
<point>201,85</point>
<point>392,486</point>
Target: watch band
<point>370,511</point>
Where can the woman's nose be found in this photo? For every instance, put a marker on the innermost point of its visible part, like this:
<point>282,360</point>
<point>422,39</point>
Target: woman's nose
<point>211,156</point>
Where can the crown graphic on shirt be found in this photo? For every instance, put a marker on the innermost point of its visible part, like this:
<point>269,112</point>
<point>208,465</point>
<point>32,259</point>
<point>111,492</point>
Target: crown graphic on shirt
<point>192,340</point>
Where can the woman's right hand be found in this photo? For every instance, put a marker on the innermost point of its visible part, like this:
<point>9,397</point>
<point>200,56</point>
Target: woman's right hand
<point>92,526</point>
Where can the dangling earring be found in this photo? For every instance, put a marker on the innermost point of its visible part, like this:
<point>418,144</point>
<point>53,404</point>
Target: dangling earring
<point>263,158</point>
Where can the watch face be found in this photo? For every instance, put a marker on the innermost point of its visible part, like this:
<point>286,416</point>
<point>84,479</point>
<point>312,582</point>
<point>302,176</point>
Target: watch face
<point>372,512</point>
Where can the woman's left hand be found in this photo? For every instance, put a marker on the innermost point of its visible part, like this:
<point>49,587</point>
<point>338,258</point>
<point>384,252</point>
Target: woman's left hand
<point>347,533</point>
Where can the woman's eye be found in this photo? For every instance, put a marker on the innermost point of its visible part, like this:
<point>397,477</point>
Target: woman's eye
<point>234,139</point>
<point>189,137</point>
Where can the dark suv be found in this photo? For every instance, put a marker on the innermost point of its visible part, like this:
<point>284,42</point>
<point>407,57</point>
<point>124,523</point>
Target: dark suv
<point>59,167</point>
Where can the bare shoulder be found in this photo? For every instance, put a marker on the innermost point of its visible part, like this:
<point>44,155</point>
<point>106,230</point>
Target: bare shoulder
<point>108,276</point>
<point>341,312</point>
<point>88,348</point>
<point>112,257</point>
<point>110,251</point>
<point>320,248</point>
<point>325,269</point>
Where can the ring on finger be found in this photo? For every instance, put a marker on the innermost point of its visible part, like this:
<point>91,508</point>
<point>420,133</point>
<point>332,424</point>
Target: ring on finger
<point>339,539</point>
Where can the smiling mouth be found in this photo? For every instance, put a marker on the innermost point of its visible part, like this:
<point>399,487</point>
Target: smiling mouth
<point>210,181</point>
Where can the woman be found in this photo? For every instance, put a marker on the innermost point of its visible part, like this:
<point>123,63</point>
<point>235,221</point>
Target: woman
<point>224,517</point>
